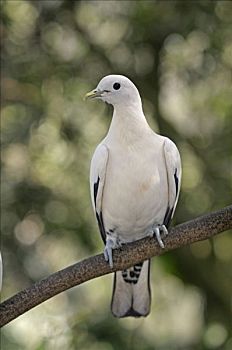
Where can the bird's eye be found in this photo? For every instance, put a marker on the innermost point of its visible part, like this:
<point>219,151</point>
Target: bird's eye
<point>116,86</point>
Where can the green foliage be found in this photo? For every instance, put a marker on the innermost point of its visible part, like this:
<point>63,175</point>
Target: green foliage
<point>179,55</point>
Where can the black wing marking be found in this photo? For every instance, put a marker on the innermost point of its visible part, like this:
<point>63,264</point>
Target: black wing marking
<point>176,181</point>
<point>168,217</point>
<point>101,226</point>
<point>95,189</point>
<point>169,211</point>
<point>99,216</point>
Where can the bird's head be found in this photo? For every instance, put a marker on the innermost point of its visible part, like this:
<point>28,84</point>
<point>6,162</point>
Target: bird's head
<point>115,90</point>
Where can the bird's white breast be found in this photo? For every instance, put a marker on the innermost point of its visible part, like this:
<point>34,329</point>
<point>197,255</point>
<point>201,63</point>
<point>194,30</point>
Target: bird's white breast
<point>135,195</point>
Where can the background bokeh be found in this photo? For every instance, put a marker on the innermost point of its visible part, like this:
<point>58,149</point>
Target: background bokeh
<point>179,54</point>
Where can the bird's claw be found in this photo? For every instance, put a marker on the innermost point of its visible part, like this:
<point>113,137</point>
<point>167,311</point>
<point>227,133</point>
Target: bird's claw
<point>157,230</point>
<point>108,255</point>
<point>111,243</point>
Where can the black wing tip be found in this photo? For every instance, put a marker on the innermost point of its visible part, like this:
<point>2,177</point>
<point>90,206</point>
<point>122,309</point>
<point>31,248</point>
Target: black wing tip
<point>101,226</point>
<point>168,217</point>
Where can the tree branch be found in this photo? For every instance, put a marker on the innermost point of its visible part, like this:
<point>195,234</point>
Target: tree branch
<point>192,231</point>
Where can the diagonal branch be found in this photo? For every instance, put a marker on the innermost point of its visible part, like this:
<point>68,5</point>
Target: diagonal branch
<point>189,232</point>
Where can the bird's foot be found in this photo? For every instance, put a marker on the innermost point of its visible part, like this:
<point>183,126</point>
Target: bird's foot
<point>157,230</point>
<point>111,243</point>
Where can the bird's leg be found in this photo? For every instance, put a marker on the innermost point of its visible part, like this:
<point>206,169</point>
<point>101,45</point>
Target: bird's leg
<point>111,243</point>
<point>157,230</point>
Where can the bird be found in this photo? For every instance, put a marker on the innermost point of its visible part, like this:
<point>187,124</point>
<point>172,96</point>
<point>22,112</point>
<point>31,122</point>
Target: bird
<point>135,177</point>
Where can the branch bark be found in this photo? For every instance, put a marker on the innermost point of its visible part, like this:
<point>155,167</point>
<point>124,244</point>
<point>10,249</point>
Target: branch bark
<point>189,232</point>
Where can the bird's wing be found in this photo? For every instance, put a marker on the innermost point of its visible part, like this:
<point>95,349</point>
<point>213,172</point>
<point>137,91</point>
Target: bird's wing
<point>173,166</point>
<point>97,180</point>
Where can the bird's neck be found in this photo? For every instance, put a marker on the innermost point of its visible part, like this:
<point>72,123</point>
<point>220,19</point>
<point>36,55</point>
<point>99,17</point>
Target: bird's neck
<point>128,123</point>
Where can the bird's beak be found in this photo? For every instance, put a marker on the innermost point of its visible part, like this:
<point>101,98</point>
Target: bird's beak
<point>93,94</point>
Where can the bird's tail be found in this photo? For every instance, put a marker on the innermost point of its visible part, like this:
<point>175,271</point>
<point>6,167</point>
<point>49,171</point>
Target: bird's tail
<point>131,291</point>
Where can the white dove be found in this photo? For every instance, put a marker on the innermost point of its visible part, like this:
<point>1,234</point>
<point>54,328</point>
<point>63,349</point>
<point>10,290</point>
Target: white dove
<point>135,182</point>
